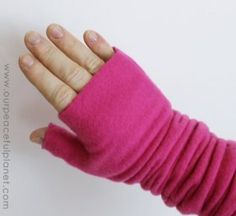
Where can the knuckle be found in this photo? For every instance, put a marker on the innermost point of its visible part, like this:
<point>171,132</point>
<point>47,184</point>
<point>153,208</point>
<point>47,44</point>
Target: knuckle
<point>60,95</point>
<point>74,75</point>
<point>46,53</point>
<point>92,64</point>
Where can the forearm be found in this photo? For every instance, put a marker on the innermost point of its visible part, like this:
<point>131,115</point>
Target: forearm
<point>126,130</point>
<point>189,166</point>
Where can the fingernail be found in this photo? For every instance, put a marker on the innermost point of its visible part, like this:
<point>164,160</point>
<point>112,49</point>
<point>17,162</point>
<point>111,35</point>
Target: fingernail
<point>92,36</point>
<point>27,60</point>
<point>56,32</point>
<point>34,38</point>
<point>37,139</point>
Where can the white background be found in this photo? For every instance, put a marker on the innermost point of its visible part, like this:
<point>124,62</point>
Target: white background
<point>187,47</point>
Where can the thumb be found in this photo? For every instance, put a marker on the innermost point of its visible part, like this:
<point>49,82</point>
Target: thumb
<point>65,145</point>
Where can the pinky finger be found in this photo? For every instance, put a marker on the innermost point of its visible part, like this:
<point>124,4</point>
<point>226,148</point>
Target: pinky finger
<point>98,44</point>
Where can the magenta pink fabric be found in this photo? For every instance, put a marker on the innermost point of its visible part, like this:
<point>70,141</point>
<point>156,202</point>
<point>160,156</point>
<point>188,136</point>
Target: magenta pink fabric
<point>124,129</point>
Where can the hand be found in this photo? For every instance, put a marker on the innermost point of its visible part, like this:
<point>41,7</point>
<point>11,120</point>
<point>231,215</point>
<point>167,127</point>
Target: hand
<point>60,72</point>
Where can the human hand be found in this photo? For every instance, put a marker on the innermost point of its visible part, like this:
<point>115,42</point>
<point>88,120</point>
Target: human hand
<point>60,72</point>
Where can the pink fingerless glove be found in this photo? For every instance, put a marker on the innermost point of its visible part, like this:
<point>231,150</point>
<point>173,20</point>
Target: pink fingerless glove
<point>124,129</point>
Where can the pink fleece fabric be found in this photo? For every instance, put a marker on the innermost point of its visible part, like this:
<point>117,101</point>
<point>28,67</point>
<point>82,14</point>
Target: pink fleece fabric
<point>124,129</point>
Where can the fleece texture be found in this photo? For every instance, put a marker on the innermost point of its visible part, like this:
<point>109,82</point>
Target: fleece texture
<point>124,129</point>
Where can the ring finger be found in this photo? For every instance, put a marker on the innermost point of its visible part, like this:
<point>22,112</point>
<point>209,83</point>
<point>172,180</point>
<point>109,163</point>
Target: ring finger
<point>74,48</point>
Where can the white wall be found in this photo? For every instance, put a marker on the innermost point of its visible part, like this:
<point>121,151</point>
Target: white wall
<point>187,47</point>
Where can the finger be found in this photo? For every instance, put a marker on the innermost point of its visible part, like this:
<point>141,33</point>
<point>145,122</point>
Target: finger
<point>56,61</point>
<point>98,44</point>
<point>38,135</point>
<point>73,48</point>
<point>52,88</point>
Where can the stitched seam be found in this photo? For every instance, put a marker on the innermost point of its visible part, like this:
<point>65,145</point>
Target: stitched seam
<point>190,136</point>
<point>147,177</point>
